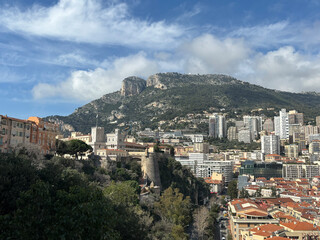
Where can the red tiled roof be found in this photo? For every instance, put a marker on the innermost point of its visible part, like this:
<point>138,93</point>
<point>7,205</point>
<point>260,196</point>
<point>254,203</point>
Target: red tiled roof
<point>299,226</point>
<point>256,213</point>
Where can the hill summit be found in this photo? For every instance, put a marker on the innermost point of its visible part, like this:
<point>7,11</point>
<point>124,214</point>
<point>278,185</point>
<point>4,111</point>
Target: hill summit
<point>164,97</point>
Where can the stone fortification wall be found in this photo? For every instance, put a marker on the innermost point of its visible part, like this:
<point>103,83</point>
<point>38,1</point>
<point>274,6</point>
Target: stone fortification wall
<point>150,168</point>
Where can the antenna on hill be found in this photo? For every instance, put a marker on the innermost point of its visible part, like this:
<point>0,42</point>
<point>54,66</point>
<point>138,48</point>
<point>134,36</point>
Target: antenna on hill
<point>97,118</point>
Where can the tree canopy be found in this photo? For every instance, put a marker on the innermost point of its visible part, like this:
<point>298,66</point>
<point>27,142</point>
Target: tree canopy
<point>233,189</point>
<point>73,147</point>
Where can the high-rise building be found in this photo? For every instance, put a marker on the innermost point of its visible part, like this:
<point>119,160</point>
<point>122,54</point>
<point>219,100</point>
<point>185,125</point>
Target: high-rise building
<point>291,150</point>
<point>244,135</point>
<point>281,124</point>
<point>254,124</point>
<point>294,128</point>
<point>309,130</point>
<point>270,144</point>
<point>268,125</point>
<point>295,117</point>
<point>314,147</point>
<point>232,133</point>
<point>299,138</point>
<point>217,126</point>
<point>318,121</point>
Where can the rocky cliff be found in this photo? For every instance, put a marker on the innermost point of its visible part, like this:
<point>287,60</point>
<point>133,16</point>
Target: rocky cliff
<point>132,86</point>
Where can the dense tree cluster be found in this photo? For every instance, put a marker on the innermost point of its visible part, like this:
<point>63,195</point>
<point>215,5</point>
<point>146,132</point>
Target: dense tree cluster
<point>233,189</point>
<point>74,199</point>
<point>174,175</point>
<point>224,144</point>
<point>73,147</point>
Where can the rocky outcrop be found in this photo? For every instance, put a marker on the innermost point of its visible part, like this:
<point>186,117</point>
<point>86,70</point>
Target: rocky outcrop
<point>154,81</point>
<point>132,86</point>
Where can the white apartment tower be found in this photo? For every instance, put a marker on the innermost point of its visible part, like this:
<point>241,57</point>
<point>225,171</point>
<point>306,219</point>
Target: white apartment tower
<point>281,124</point>
<point>217,126</point>
<point>270,144</point>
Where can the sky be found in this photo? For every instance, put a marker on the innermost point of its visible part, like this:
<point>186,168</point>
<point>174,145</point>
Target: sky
<point>57,55</point>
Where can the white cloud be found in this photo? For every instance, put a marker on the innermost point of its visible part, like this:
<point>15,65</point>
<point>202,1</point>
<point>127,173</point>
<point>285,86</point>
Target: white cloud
<point>301,35</point>
<point>207,54</point>
<point>88,85</point>
<point>265,35</point>
<point>286,69</point>
<point>90,22</point>
<point>75,60</point>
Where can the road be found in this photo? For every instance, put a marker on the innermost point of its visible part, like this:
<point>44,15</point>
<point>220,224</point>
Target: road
<point>222,225</point>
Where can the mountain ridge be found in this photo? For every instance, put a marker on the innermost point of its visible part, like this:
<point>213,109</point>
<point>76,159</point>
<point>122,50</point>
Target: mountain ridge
<point>166,96</point>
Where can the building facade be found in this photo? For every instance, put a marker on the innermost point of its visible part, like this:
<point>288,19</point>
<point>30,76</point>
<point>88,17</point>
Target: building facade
<point>270,144</point>
<point>26,133</point>
<point>281,124</point>
<point>217,126</point>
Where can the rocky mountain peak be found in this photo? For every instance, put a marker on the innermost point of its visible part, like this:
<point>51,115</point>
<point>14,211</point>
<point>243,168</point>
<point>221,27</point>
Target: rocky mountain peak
<point>132,86</point>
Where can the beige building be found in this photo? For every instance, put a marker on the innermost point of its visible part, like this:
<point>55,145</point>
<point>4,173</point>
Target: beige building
<point>107,155</point>
<point>232,133</point>
<point>201,147</point>
<point>23,133</point>
<point>292,150</point>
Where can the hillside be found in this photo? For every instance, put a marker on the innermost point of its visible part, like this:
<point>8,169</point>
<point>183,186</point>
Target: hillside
<point>166,96</point>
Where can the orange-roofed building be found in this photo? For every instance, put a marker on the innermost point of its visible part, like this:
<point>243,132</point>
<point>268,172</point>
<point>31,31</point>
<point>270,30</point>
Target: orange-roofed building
<point>301,230</point>
<point>246,213</point>
<point>275,179</point>
<point>43,133</point>
<point>262,232</point>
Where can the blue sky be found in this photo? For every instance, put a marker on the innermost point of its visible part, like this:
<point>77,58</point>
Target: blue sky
<point>58,55</point>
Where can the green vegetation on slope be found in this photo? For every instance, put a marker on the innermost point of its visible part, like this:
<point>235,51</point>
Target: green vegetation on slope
<point>61,198</point>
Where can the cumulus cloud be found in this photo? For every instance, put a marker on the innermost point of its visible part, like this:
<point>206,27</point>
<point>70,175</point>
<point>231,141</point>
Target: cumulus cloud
<point>208,54</point>
<point>90,21</point>
<point>88,85</point>
<point>286,69</point>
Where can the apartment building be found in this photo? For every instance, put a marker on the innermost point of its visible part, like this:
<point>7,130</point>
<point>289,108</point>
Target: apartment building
<point>34,131</point>
<point>245,214</point>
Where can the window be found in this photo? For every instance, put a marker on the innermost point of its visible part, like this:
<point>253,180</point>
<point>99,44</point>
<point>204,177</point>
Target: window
<point>3,132</point>
<point>1,141</point>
